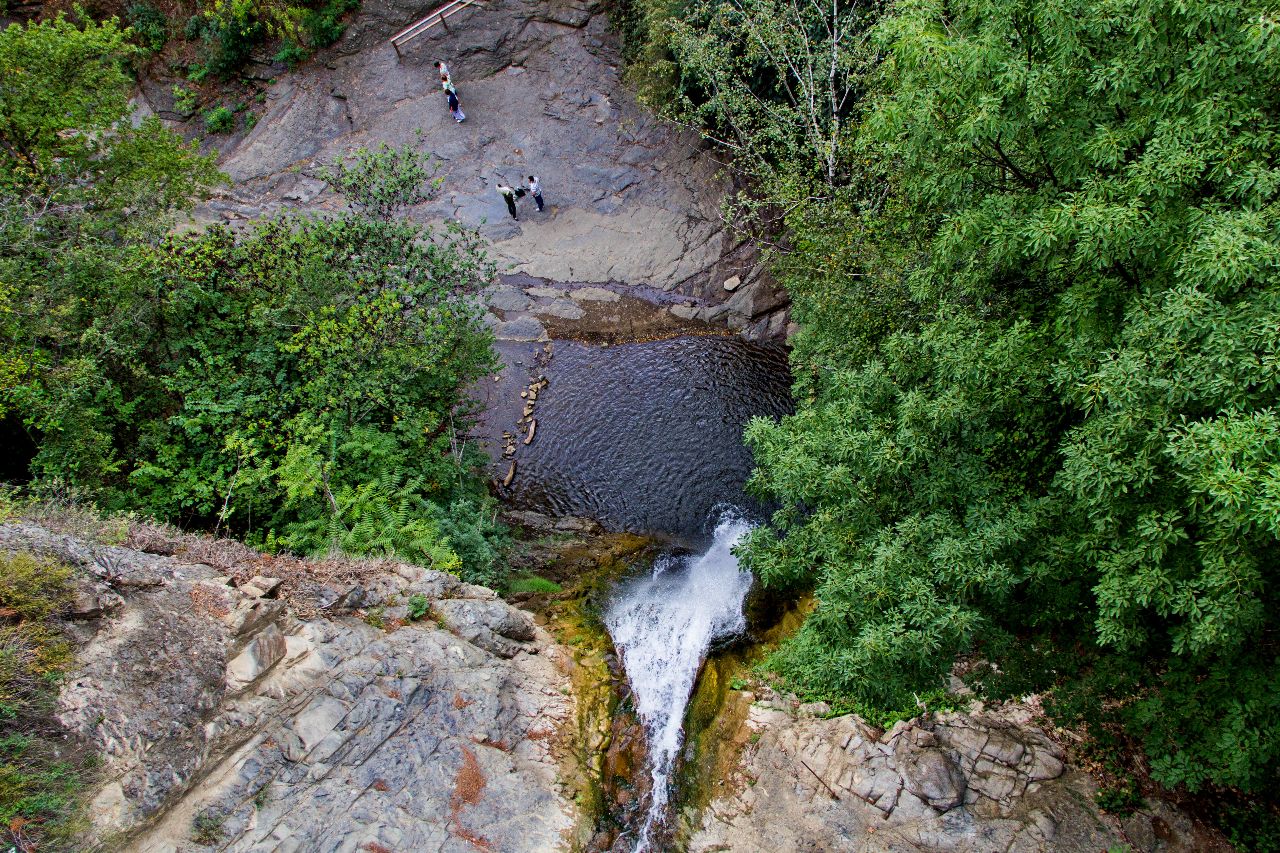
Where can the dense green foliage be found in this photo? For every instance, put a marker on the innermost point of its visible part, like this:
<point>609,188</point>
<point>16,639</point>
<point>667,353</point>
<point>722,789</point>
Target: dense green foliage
<point>300,383</point>
<point>1037,268</point>
<point>80,189</point>
<point>230,30</point>
<point>317,365</point>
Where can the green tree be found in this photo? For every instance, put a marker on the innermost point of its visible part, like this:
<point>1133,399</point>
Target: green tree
<point>1068,422</point>
<point>81,189</point>
<point>317,384</point>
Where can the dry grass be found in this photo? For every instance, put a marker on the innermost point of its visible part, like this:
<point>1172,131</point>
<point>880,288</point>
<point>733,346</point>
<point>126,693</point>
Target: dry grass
<point>301,578</point>
<point>209,602</point>
<point>468,789</point>
<point>469,786</point>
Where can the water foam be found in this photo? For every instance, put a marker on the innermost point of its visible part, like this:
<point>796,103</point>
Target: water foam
<point>662,625</point>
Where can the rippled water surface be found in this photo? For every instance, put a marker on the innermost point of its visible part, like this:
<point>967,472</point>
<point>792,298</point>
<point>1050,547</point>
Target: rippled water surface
<point>648,437</point>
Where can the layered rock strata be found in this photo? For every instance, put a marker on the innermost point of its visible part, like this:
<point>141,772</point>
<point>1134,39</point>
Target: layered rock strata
<point>226,722</point>
<point>985,782</point>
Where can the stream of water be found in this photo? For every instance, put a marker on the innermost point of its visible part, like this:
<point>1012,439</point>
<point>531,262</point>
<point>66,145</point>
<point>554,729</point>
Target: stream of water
<point>662,624</point>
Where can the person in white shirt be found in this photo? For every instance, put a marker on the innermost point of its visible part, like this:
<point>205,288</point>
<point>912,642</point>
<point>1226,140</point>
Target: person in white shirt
<point>446,79</point>
<point>535,190</point>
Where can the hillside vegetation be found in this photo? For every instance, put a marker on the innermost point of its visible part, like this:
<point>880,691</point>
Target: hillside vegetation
<point>299,383</point>
<point>1034,250</point>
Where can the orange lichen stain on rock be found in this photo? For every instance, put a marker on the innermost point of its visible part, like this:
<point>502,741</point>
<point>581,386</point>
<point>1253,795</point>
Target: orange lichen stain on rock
<point>468,788</point>
<point>209,602</point>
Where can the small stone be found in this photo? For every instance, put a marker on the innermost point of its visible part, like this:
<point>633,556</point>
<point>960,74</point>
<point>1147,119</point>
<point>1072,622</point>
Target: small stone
<point>521,329</point>
<point>565,309</point>
<point>260,586</point>
<point>593,294</point>
<point>932,775</point>
<point>731,284</point>
<point>260,655</point>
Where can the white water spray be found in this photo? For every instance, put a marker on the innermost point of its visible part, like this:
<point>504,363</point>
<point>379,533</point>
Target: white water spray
<point>662,625</point>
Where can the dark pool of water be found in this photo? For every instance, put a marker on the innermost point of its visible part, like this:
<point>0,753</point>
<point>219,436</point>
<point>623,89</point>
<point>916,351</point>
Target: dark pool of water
<point>648,437</point>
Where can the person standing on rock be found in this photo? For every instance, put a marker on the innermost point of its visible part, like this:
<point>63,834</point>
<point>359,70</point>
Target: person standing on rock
<point>447,84</point>
<point>455,107</point>
<point>442,69</point>
<point>509,196</point>
<point>535,190</point>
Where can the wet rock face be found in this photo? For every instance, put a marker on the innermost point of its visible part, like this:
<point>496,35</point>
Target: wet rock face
<point>214,706</point>
<point>989,782</point>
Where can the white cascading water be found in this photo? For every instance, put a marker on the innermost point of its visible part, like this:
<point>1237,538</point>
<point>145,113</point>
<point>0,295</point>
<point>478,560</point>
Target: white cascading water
<point>662,625</point>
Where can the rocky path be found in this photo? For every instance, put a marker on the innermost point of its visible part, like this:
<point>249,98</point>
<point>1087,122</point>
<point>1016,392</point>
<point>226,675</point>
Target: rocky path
<point>631,200</point>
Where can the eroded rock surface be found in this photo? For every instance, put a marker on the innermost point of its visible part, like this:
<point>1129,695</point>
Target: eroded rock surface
<point>981,782</point>
<point>226,722</point>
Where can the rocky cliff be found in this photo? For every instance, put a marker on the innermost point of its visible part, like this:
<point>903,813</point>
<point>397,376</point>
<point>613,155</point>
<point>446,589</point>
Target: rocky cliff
<point>988,781</point>
<point>245,702</point>
<point>229,720</point>
<point>631,199</point>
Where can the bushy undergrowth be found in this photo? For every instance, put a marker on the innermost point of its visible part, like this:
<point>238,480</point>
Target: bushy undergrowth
<point>301,383</point>
<point>42,773</point>
<point>1033,255</point>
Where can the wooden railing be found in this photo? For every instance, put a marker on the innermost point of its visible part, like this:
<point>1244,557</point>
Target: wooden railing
<point>416,29</point>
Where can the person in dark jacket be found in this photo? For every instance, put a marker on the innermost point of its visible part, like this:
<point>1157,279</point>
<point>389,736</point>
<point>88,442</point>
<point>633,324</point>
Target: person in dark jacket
<point>455,107</point>
<point>509,196</point>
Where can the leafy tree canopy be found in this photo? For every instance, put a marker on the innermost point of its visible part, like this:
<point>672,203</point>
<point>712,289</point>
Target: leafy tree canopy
<point>1037,377</point>
<point>301,384</point>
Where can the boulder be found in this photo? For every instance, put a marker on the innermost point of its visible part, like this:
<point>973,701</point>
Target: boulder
<point>932,775</point>
<point>494,626</point>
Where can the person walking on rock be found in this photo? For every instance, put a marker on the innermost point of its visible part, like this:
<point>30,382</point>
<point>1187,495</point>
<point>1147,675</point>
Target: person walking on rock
<point>442,68</point>
<point>535,190</point>
<point>455,107</point>
<point>509,196</point>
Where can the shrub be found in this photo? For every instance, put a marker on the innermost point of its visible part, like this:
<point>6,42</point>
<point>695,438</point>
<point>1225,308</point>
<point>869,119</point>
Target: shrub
<point>323,26</point>
<point>219,120</point>
<point>206,828</point>
<point>40,778</point>
<point>185,100</point>
<point>1122,800</point>
<point>383,180</point>
<point>534,584</point>
<point>1252,827</point>
<point>149,25</point>
<point>194,29</point>
<point>292,54</point>
<point>419,606</point>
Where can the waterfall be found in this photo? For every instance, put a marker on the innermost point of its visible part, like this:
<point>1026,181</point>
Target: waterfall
<point>662,625</point>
